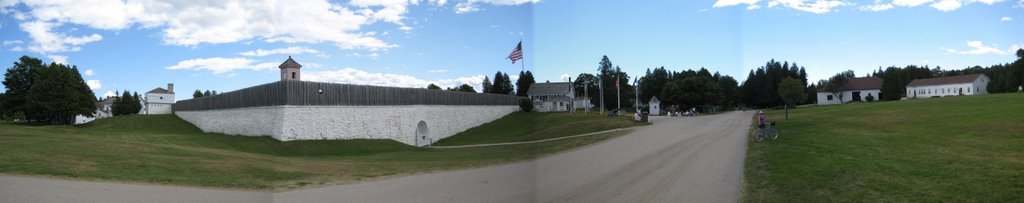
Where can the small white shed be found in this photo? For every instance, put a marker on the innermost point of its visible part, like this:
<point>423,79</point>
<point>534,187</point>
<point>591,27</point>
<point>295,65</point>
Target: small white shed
<point>655,106</point>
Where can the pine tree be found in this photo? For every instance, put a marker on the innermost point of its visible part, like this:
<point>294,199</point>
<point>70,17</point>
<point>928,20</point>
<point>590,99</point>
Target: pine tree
<point>524,82</point>
<point>197,94</point>
<point>487,85</point>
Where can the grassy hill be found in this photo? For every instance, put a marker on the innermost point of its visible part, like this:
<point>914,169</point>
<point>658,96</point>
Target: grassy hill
<point>953,149</point>
<point>167,150</point>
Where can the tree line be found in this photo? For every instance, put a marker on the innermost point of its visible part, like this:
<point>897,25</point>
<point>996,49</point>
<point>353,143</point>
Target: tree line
<point>604,84</point>
<point>761,89</point>
<point>53,93</point>
<point>126,104</point>
<point>207,93</point>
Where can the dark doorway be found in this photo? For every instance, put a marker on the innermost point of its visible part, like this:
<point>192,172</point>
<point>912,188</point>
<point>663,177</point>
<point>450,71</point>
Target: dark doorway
<point>856,96</point>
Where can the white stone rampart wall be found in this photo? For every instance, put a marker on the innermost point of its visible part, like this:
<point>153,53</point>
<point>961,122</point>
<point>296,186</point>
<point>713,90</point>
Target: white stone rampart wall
<point>397,123</point>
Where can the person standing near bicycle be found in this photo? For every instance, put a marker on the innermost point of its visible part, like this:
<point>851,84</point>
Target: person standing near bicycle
<point>762,120</point>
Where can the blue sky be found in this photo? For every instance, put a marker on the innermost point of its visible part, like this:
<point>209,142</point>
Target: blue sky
<point>225,45</point>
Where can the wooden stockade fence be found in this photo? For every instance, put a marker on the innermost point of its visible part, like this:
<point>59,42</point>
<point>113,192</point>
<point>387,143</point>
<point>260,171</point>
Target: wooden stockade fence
<point>304,93</point>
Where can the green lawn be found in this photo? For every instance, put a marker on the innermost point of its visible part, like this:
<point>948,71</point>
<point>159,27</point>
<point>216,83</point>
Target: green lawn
<point>168,150</point>
<point>957,149</point>
<point>519,127</point>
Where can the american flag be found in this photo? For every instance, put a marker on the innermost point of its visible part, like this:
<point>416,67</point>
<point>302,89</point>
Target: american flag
<point>517,53</point>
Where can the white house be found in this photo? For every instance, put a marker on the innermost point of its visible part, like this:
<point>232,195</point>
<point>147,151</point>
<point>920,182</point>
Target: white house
<point>551,96</point>
<point>654,106</point>
<point>159,100</point>
<point>856,89</point>
<point>582,102</point>
<point>948,86</point>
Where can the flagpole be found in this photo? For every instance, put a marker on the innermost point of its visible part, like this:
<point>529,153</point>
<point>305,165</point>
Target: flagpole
<point>523,55</point>
<point>618,91</point>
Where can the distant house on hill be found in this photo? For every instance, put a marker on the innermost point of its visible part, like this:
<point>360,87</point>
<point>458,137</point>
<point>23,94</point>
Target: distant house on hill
<point>551,96</point>
<point>856,89</point>
<point>159,100</point>
<point>948,86</point>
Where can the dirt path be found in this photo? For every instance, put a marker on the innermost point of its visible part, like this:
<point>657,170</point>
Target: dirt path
<point>692,159</point>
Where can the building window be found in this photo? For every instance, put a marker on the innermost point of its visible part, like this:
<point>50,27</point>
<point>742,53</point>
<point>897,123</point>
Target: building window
<point>293,75</point>
<point>830,97</point>
<point>161,97</point>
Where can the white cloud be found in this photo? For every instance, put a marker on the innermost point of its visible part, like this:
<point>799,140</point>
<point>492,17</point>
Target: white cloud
<point>191,23</point>
<point>89,72</point>
<point>356,76</point>
<point>727,3</point>
<point>219,65</point>
<point>1006,19</point>
<point>946,5</point>
<point>289,50</point>
<point>469,6</point>
<point>59,59</point>
<point>13,42</point>
<point>45,41</point>
<point>813,6</point>
<point>876,7</point>
<point>109,94</point>
<point>910,3</point>
<point>565,77</point>
<point>438,71</point>
<point>979,48</point>
<point>93,84</point>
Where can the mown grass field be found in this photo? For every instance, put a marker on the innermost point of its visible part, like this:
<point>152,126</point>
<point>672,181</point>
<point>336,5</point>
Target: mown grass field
<point>956,149</point>
<point>167,150</point>
<point>520,127</point>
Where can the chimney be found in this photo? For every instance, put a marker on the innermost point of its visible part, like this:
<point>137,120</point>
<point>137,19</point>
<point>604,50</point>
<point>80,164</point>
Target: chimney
<point>170,87</point>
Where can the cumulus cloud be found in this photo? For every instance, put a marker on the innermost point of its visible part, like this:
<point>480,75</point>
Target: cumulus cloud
<point>44,40</point>
<point>1006,19</point>
<point>109,94</point>
<point>89,72</point>
<point>946,5</point>
<point>980,48</point>
<point>356,76</point>
<point>289,50</point>
<point>93,84</point>
<point>219,65</point>
<point>565,77</point>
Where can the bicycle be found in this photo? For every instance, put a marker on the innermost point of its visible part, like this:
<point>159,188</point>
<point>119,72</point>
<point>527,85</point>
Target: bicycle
<point>770,132</point>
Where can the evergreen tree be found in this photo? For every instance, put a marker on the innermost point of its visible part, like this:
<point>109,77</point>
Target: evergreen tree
<point>197,94</point>
<point>207,93</point>
<point>506,85</point>
<point>488,87</point>
<point>58,94</point>
<point>136,103</point>
<point>523,83</point>
<point>17,81</point>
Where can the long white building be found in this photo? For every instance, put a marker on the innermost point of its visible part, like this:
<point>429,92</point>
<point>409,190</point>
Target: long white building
<point>948,86</point>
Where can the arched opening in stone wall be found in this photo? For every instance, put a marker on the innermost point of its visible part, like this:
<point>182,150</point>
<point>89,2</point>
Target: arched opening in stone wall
<point>422,134</point>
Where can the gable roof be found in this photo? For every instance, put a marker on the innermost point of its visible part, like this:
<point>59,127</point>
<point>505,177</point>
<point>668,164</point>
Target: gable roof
<point>865,83</point>
<point>945,80</point>
<point>290,64</point>
<point>559,88</point>
<point>160,90</point>
<point>654,99</point>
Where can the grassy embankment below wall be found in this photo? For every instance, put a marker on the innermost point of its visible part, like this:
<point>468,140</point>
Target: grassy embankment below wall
<point>954,149</point>
<point>167,150</point>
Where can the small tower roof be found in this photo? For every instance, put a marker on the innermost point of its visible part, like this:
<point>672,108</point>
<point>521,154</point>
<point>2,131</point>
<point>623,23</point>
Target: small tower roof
<point>290,64</point>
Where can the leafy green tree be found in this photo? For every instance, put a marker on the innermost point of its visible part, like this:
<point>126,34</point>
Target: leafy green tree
<point>465,88</point>
<point>523,83</point>
<point>837,84</point>
<point>197,94</point>
<point>17,81</point>
<point>700,90</point>
<point>590,81</point>
<point>792,92</point>
<point>58,94</point>
<point>432,86</point>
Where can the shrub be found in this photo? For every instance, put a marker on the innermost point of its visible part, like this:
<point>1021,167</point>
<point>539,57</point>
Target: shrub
<point>870,98</point>
<point>525,105</point>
